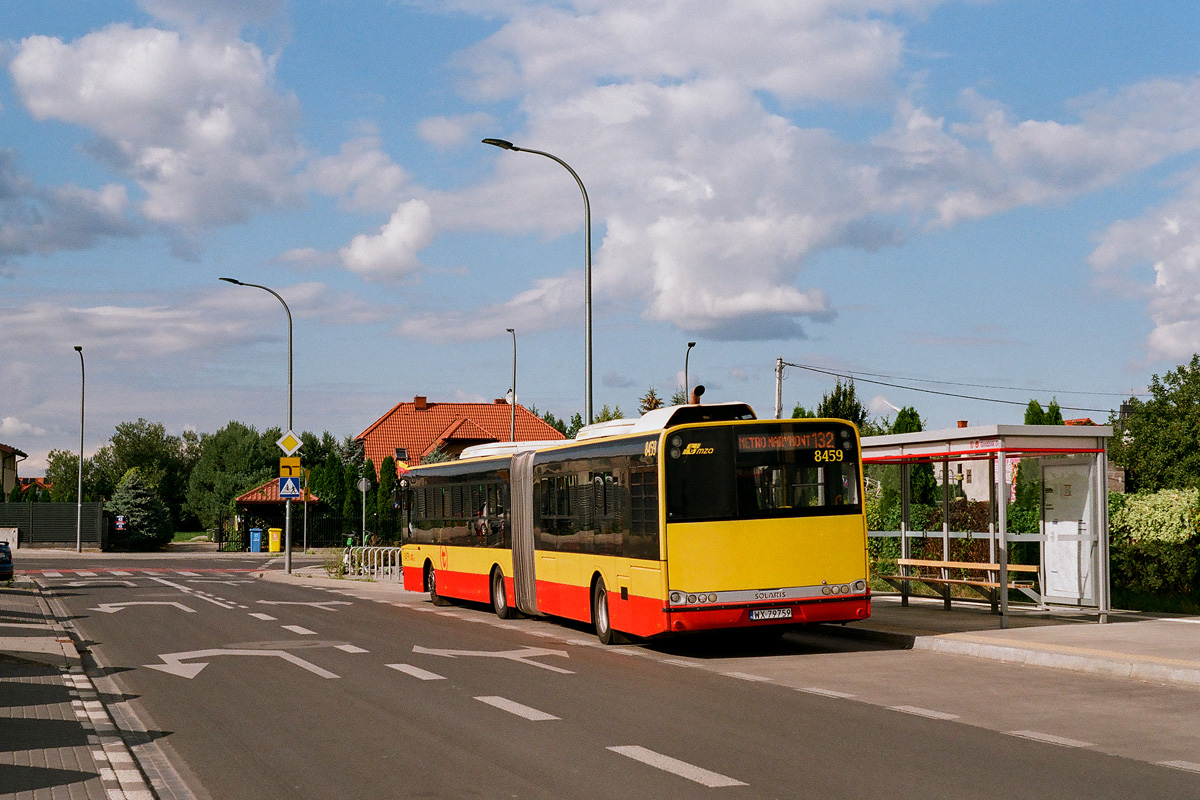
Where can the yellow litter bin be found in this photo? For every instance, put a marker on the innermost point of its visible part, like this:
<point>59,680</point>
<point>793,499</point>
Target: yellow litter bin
<point>276,539</point>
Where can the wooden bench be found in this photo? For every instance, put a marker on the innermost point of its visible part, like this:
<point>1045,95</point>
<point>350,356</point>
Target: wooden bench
<point>983,579</point>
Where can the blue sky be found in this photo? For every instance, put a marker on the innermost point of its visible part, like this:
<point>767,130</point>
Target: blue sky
<point>1000,193</point>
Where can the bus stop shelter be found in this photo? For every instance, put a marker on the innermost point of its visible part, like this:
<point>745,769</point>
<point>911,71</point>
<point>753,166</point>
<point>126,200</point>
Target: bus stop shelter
<point>1072,530</point>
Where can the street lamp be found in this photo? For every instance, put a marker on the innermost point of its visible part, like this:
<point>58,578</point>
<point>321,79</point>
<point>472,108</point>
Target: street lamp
<point>587,266</point>
<point>512,425</point>
<point>686,388</point>
<point>79,486</point>
<point>287,548</point>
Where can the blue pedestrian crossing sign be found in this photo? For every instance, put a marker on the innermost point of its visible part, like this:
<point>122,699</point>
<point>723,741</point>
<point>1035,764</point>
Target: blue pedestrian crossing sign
<point>289,487</point>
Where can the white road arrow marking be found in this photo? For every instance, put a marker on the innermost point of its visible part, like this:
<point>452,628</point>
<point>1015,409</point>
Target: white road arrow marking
<point>324,605</point>
<point>522,656</point>
<point>173,662</point>
<point>112,608</point>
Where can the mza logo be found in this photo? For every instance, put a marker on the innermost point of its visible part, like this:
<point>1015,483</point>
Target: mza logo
<point>697,449</point>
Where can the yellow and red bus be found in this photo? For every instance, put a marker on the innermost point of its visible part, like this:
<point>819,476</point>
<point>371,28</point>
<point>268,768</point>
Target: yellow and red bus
<point>689,518</point>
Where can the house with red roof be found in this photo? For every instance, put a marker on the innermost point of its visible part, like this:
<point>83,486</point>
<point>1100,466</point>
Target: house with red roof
<point>410,431</point>
<point>9,458</point>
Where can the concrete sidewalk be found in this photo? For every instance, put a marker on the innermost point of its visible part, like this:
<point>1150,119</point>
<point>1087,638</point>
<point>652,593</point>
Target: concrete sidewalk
<point>56,737</point>
<point>1158,648</point>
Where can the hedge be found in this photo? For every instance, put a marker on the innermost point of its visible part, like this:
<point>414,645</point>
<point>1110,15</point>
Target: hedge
<point>1155,542</point>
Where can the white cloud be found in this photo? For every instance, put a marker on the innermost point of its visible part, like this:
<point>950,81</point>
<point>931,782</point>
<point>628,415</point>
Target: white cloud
<point>12,427</point>
<point>43,220</point>
<point>391,254</point>
<point>1165,243</point>
<point>447,132</point>
<point>363,176</point>
<point>551,303</point>
<point>194,118</point>
<point>713,201</point>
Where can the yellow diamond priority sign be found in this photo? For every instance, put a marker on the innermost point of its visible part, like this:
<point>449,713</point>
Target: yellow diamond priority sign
<point>289,443</point>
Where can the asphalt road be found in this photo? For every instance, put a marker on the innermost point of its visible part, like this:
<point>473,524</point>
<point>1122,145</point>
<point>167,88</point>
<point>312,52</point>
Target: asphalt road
<point>250,688</point>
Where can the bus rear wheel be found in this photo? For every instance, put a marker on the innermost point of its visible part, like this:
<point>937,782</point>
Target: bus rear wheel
<point>431,587</point>
<point>500,596</point>
<point>600,619</point>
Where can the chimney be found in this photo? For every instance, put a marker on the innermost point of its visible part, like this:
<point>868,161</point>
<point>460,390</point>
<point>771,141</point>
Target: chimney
<point>500,401</point>
<point>419,402</point>
<point>694,399</point>
<point>962,423</point>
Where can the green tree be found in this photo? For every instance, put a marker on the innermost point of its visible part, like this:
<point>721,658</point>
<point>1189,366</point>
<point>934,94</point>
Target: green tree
<point>800,412</point>
<point>231,461</point>
<point>15,495</point>
<point>573,428</point>
<point>147,520</point>
<point>923,485</point>
<point>843,403</point>
<point>160,459</point>
<point>607,415</point>
<point>62,472</point>
<point>329,482</point>
<point>1158,439</point>
<point>679,397</point>
<point>1034,415</point>
<point>649,401</point>
<point>385,493</point>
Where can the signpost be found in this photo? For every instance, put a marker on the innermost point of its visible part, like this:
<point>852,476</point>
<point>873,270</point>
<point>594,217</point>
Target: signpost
<point>289,467</point>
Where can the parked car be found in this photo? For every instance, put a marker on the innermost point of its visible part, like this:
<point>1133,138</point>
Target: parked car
<point>6,565</point>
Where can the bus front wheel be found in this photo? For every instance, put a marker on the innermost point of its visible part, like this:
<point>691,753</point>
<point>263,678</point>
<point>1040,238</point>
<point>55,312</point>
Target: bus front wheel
<point>500,596</point>
<point>604,631</point>
<point>431,587</point>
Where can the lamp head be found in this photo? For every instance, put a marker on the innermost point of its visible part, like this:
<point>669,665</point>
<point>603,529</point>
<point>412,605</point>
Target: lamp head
<point>510,330</point>
<point>234,281</point>
<point>691,345</point>
<point>501,143</point>
<point>79,348</point>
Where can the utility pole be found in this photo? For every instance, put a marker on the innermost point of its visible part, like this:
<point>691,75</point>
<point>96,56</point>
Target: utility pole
<point>779,388</point>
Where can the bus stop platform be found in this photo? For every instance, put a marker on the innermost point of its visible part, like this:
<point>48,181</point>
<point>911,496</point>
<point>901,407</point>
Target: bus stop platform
<point>1160,648</point>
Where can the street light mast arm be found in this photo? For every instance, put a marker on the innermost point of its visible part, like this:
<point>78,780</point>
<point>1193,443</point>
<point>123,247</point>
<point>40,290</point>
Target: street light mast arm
<point>504,144</point>
<point>236,282</point>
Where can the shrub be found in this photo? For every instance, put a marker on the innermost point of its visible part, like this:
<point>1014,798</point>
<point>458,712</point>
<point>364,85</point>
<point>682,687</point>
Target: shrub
<point>1154,540</point>
<point>147,521</point>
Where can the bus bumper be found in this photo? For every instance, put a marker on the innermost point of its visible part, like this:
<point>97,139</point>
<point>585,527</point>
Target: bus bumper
<point>841,609</point>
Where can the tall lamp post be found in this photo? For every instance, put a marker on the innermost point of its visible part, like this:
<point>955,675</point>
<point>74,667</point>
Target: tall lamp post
<point>587,266</point>
<point>686,387</point>
<point>79,486</point>
<point>512,425</point>
<point>287,524</point>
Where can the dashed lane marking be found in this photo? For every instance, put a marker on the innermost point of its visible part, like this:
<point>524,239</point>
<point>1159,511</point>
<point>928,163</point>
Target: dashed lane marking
<point>1190,766</point>
<point>513,707</point>
<point>1050,738</point>
<point>264,617</point>
<point>298,630</point>
<point>828,693</point>
<point>699,775</point>
<point>923,712</point>
<point>417,672</point>
<point>351,648</point>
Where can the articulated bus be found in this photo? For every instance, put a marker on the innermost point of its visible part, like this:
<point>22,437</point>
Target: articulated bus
<point>690,518</point>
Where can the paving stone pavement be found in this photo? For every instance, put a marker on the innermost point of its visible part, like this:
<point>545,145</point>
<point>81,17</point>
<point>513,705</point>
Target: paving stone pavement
<point>57,741</point>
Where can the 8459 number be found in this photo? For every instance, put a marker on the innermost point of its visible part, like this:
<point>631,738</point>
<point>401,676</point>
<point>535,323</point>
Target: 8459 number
<point>828,455</point>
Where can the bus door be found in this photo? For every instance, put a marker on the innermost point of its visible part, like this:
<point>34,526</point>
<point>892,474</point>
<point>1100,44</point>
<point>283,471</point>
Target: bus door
<point>521,507</point>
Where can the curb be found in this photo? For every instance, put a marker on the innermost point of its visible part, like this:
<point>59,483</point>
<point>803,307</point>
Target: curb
<point>1147,668</point>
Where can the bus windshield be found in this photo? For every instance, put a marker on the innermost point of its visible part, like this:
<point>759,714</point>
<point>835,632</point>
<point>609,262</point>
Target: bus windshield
<point>772,469</point>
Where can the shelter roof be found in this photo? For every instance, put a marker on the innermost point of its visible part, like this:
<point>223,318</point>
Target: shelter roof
<point>269,493</point>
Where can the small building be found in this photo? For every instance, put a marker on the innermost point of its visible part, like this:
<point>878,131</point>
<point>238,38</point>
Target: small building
<point>411,431</point>
<point>9,458</point>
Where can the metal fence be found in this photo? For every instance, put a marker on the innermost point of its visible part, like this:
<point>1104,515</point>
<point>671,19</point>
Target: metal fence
<point>378,563</point>
<point>53,524</point>
<point>324,531</point>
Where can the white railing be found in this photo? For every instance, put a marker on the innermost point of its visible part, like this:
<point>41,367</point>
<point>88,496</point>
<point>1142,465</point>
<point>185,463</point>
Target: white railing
<point>378,563</point>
